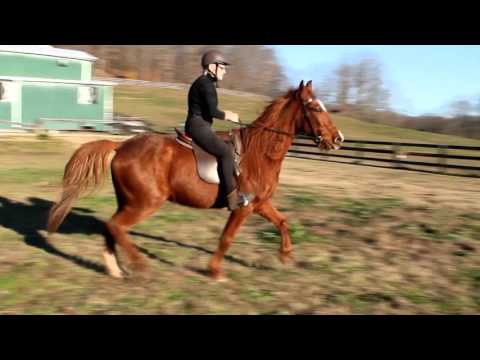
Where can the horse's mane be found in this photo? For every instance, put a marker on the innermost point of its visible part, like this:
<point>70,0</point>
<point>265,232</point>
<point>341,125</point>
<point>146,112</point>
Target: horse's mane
<point>259,143</point>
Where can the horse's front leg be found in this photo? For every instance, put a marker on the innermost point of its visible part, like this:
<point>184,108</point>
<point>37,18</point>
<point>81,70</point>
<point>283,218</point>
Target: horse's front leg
<point>235,220</point>
<point>280,221</point>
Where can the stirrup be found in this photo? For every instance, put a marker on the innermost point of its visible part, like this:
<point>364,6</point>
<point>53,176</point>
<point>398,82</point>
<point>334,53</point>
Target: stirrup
<point>236,200</point>
<point>244,199</point>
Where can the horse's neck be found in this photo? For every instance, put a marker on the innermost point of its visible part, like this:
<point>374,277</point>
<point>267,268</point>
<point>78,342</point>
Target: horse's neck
<point>283,137</point>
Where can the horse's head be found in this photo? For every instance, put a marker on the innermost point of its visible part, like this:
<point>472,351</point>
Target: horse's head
<point>316,121</point>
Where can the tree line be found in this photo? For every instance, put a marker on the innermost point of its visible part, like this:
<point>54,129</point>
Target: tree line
<point>255,68</point>
<point>358,88</point>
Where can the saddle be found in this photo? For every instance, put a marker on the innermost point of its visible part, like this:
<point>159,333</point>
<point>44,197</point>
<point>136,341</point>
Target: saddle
<point>207,163</point>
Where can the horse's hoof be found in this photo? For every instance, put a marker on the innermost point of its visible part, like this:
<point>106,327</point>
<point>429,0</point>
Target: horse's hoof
<point>144,276</point>
<point>112,266</point>
<point>222,279</point>
<point>218,276</point>
<point>116,275</point>
<point>126,273</point>
<point>139,267</point>
<point>286,258</point>
<point>136,271</point>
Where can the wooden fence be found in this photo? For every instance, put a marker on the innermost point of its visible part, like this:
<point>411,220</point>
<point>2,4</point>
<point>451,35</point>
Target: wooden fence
<point>443,158</point>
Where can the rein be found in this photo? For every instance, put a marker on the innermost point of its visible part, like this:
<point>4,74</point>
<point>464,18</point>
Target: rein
<point>244,126</point>
<point>317,138</point>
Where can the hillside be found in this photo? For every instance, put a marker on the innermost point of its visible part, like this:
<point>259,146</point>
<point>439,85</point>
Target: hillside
<point>166,108</point>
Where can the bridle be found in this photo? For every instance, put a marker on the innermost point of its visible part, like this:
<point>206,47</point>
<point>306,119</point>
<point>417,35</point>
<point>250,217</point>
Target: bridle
<point>317,138</point>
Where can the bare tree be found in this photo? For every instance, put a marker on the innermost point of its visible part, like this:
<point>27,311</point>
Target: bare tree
<point>254,67</point>
<point>361,85</point>
<point>461,108</point>
<point>326,89</point>
<point>361,78</point>
<point>369,90</point>
<point>344,84</point>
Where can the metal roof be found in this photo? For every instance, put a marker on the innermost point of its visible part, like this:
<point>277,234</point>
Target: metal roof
<point>47,50</point>
<point>56,81</point>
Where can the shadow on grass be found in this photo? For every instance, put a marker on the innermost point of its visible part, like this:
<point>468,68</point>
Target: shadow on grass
<point>29,218</point>
<point>201,249</point>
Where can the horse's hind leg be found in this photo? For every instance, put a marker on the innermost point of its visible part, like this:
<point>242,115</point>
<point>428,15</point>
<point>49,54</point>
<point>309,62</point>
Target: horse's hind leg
<point>110,256</point>
<point>117,233</point>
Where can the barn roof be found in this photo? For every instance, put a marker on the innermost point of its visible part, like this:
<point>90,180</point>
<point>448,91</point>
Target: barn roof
<point>47,50</point>
<point>56,81</point>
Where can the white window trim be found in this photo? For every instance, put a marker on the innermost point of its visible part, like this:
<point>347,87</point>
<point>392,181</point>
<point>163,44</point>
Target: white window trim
<point>11,92</point>
<point>87,95</point>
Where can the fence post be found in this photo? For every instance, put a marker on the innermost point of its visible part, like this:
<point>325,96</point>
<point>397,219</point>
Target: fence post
<point>442,161</point>
<point>359,153</point>
<point>396,152</point>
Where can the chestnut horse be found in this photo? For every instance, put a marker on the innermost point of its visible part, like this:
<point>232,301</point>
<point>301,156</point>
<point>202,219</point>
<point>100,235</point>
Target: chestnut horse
<point>149,169</point>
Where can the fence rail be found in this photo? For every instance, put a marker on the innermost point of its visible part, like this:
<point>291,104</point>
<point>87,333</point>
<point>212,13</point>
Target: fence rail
<point>398,154</point>
<point>402,155</point>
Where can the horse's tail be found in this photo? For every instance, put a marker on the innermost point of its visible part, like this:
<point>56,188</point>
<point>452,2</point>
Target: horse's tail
<point>86,169</point>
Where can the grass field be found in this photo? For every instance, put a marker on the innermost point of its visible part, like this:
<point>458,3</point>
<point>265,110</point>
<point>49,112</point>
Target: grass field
<point>166,108</point>
<point>367,240</point>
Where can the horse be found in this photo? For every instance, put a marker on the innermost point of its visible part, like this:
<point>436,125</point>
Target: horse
<point>151,168</point>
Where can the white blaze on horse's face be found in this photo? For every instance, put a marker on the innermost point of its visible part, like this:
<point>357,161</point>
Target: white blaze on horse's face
<point>338,141</point>
<point>340,138</point>
<point>335,139</point>
<point>319,103</point>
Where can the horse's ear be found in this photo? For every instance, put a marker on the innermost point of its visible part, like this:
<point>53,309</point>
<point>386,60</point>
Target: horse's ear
<point>301,86</point>
<point>309,84</point>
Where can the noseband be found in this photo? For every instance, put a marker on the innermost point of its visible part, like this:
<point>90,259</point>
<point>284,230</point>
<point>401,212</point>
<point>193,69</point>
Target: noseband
<point>317,138</point>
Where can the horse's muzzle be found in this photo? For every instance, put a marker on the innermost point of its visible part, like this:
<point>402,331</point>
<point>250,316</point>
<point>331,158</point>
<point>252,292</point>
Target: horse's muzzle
<point>337,144</point>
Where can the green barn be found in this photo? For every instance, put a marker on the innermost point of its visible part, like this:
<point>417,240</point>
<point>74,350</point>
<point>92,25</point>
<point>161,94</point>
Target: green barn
<point>51,88</point>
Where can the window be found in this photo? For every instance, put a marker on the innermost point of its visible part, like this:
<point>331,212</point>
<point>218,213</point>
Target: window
<point>62,63</point>
<point>9,91</point>
<point>87,95</point>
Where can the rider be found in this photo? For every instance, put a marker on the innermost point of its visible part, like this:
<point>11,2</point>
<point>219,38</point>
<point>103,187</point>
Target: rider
<point>202,108</point>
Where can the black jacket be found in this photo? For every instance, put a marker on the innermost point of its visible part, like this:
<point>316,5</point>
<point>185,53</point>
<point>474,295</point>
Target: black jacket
<point>203,100</point>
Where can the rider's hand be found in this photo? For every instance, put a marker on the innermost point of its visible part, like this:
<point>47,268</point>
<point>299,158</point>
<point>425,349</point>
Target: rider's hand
<point>231,116</point>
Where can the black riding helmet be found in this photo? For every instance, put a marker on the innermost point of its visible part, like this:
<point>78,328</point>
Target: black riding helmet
<point>213,57</point>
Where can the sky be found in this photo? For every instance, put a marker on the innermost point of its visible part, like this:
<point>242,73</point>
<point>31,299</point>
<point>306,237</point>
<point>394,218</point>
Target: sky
<point>422,79</point>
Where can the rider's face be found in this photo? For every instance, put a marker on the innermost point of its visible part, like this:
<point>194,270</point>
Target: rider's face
<point>221,70</point>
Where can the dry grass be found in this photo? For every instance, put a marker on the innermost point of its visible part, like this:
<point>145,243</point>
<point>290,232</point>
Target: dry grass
<point>367,240</point>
